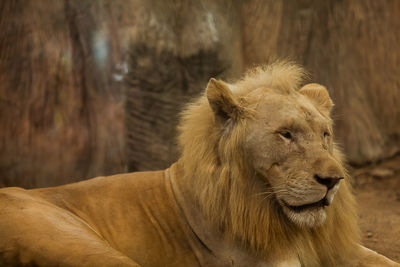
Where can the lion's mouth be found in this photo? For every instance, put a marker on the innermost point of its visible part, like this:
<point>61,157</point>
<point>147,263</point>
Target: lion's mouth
<point>319,204</point>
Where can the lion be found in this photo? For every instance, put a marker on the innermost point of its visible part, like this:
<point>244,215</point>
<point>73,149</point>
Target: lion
<point>260,182</point>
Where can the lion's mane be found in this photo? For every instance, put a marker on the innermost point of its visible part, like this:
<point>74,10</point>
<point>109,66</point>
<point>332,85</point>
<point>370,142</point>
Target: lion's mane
<point>228,190</point>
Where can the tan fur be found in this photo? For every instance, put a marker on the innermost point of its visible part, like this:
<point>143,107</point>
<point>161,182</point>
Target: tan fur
<point>231,201</point>
<point>221,204</point>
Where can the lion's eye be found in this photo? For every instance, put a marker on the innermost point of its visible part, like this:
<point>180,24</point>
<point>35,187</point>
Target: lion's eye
<point>326,134</point>
<point>286,135</point>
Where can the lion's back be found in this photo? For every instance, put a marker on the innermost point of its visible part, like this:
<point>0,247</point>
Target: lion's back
<point>121,217</point>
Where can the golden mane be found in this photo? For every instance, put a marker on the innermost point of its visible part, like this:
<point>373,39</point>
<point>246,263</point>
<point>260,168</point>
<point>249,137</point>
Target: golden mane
<point>228,190</point>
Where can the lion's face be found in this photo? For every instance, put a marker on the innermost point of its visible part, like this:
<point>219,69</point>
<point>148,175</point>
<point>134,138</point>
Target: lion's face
<point>289,145</point>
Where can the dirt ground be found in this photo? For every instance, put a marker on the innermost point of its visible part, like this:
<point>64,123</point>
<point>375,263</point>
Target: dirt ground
<point>377,189</point>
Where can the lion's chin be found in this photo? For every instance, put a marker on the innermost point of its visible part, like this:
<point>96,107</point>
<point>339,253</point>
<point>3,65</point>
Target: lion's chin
<point>306,218</point>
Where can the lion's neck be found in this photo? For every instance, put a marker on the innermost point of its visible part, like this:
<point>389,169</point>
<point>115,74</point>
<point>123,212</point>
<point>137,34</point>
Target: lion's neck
<point>214,239</point>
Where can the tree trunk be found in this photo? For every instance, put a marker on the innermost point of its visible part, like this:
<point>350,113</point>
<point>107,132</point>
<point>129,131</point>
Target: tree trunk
<point>58,97</point>
<point>179,46</point>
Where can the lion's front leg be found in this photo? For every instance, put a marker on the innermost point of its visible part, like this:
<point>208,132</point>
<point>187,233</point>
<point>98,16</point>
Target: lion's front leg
<point>370,258</point>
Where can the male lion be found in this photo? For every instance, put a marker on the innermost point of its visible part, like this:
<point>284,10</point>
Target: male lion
<point>260,183</point>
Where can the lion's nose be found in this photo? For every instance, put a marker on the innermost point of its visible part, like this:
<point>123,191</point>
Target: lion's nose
<point>327,181</point>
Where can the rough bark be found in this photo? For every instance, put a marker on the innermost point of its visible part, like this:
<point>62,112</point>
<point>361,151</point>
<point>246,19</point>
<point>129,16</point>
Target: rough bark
<point>57,95</point>
<point>178,47</point>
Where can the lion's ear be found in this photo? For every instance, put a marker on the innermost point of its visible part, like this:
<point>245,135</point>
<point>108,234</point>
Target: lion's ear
<point>222,101</point>
<point>319,95</point>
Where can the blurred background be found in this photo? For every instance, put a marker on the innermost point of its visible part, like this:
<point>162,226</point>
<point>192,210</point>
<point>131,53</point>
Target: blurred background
<point>94,87</point>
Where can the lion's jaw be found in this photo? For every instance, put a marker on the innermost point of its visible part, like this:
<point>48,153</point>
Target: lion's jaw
<point>301,200</point>
<point>310,214</point>
<point>291,166</point>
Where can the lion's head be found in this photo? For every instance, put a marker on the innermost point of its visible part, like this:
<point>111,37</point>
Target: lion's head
<point>260,158</point>
<point>289,145</point>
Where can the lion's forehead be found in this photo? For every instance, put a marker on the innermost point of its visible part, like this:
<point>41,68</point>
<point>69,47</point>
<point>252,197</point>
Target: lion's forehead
<point>291,111</point>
